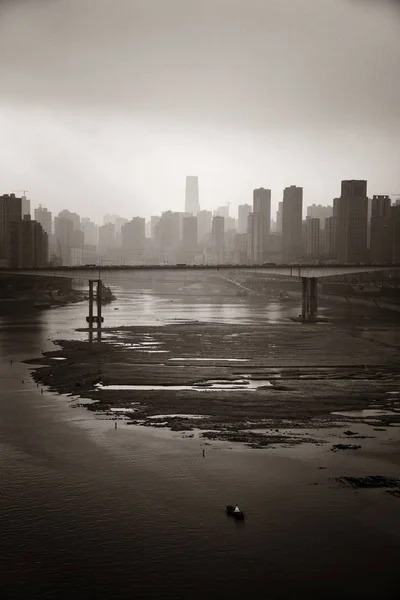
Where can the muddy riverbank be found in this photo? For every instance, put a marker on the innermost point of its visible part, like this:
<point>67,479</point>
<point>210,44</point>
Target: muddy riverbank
<point>252,384</point>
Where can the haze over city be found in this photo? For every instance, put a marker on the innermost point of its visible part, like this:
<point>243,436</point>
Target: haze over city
<point>113,104</point>
<point>200,299</point>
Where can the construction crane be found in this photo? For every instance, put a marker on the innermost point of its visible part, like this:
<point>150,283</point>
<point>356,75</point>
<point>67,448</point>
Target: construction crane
<point>23,191</point>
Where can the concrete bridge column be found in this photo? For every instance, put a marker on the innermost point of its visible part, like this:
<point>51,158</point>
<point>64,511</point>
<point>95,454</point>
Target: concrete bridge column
<point>313,299</point>
<point>309,304</point>
<point>304,298</point>
<point>98,302</point>
<point>98,319</point>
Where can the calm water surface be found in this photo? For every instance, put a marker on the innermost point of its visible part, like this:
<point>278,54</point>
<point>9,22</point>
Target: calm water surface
<point>89,511</point>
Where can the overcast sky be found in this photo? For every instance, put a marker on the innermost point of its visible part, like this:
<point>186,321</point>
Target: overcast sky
<point>106,105</point>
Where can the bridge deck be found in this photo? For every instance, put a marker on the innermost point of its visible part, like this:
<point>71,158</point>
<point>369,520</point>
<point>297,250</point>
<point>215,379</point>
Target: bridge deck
<point>291,270</point>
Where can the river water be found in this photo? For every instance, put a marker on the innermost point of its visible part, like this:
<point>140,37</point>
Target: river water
<point>89,511</point>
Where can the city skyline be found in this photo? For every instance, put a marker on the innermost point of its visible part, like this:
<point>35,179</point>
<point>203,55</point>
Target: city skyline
<point>225,94</point>
<point>354,229</point>
<point>233,208</point>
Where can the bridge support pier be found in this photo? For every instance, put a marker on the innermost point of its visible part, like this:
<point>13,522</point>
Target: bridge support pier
<point>309,304</point>
<point>98,319</point>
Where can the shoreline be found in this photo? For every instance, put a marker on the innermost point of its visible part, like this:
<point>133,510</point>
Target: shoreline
<point>290,395</point>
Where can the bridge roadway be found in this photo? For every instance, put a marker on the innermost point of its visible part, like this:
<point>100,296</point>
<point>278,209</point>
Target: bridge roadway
<point>309,274</point>
<point>292,270</point>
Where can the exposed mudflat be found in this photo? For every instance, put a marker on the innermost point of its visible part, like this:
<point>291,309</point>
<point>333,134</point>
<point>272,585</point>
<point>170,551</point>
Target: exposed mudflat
<point>260,385</point>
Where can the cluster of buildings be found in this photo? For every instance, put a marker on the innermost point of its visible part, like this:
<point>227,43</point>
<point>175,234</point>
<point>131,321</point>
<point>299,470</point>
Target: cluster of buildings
<point>354,229</point>
<point>23,241</point>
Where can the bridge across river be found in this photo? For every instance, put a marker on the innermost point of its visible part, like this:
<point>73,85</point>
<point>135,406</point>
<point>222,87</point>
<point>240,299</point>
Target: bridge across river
<point>308,273</point>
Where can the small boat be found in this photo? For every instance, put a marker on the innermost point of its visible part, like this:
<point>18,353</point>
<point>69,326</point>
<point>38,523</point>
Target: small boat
<point>236,514</point>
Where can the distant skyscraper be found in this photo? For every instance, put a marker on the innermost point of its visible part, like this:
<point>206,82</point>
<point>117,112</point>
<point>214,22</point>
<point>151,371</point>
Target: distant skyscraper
<point>292,209</point>
<point>26,206</point>
<point>262,205</point>
<point>74,217</point>
<point>192,205</point>
<point>204,219</point>
<point>63,231</point>
<point>352,222</point>
<point>133,236</point>
<point>189,238</point>
<point>90,232</point>
<point>255,237</point>
<point>381,234</point>
<point>279,218</point>
<point>312,237</point>
<point>222,211</point>
<point>218,238</point>
<point>317,211</point>
<point>330,237</point>
<point>243,212</point>
<point>106,237</point>
<point>29,244</point>
<point>43,216</point>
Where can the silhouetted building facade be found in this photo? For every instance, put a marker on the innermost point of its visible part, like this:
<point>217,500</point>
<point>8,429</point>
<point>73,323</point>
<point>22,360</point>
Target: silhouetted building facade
<point>312,231</point>
<point>10,212</point>
<point>29,244</point>
<point>352,222</point>
<point>381,236</point>
<point>292,209</point>
<point>330,238</point>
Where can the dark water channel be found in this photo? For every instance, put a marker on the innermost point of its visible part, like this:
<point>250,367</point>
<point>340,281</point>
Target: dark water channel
<point>88,511</point>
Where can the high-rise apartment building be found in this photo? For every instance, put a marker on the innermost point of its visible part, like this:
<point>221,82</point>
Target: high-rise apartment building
<point>90,232</point>
<point>204,220</point>
<point>381,232</point>
<point>133,236</point>
<point>29,244</point>
<point>63,231</point>
<point>262,205</point>
<point>292,209</point>
<point>73,217</point>
<point>330,238</point>
<point>44,217</point>
<point>189,238</point>
<point>243,212</point>
<point>317,211</point>
<point>255,237</point>
<point>26,207</point>
<point>279,218</point>
<point>260,225</point>
<point>106,237</point>
<point>352,222</point>
<point>218,238</point>
<point>395,228</point>
<point>167,236</point>
<point>222,211</point>
<point>192,205</point>
<point>312,227</point>
<point>10,212</point>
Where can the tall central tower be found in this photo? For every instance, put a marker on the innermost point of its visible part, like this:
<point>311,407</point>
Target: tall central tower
<point>192,195</point>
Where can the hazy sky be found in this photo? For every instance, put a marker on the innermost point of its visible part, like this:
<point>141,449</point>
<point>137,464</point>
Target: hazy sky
<point>106,105</point>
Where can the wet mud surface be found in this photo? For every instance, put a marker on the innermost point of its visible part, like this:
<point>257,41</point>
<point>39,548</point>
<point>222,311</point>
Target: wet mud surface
<point>260,385</point>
